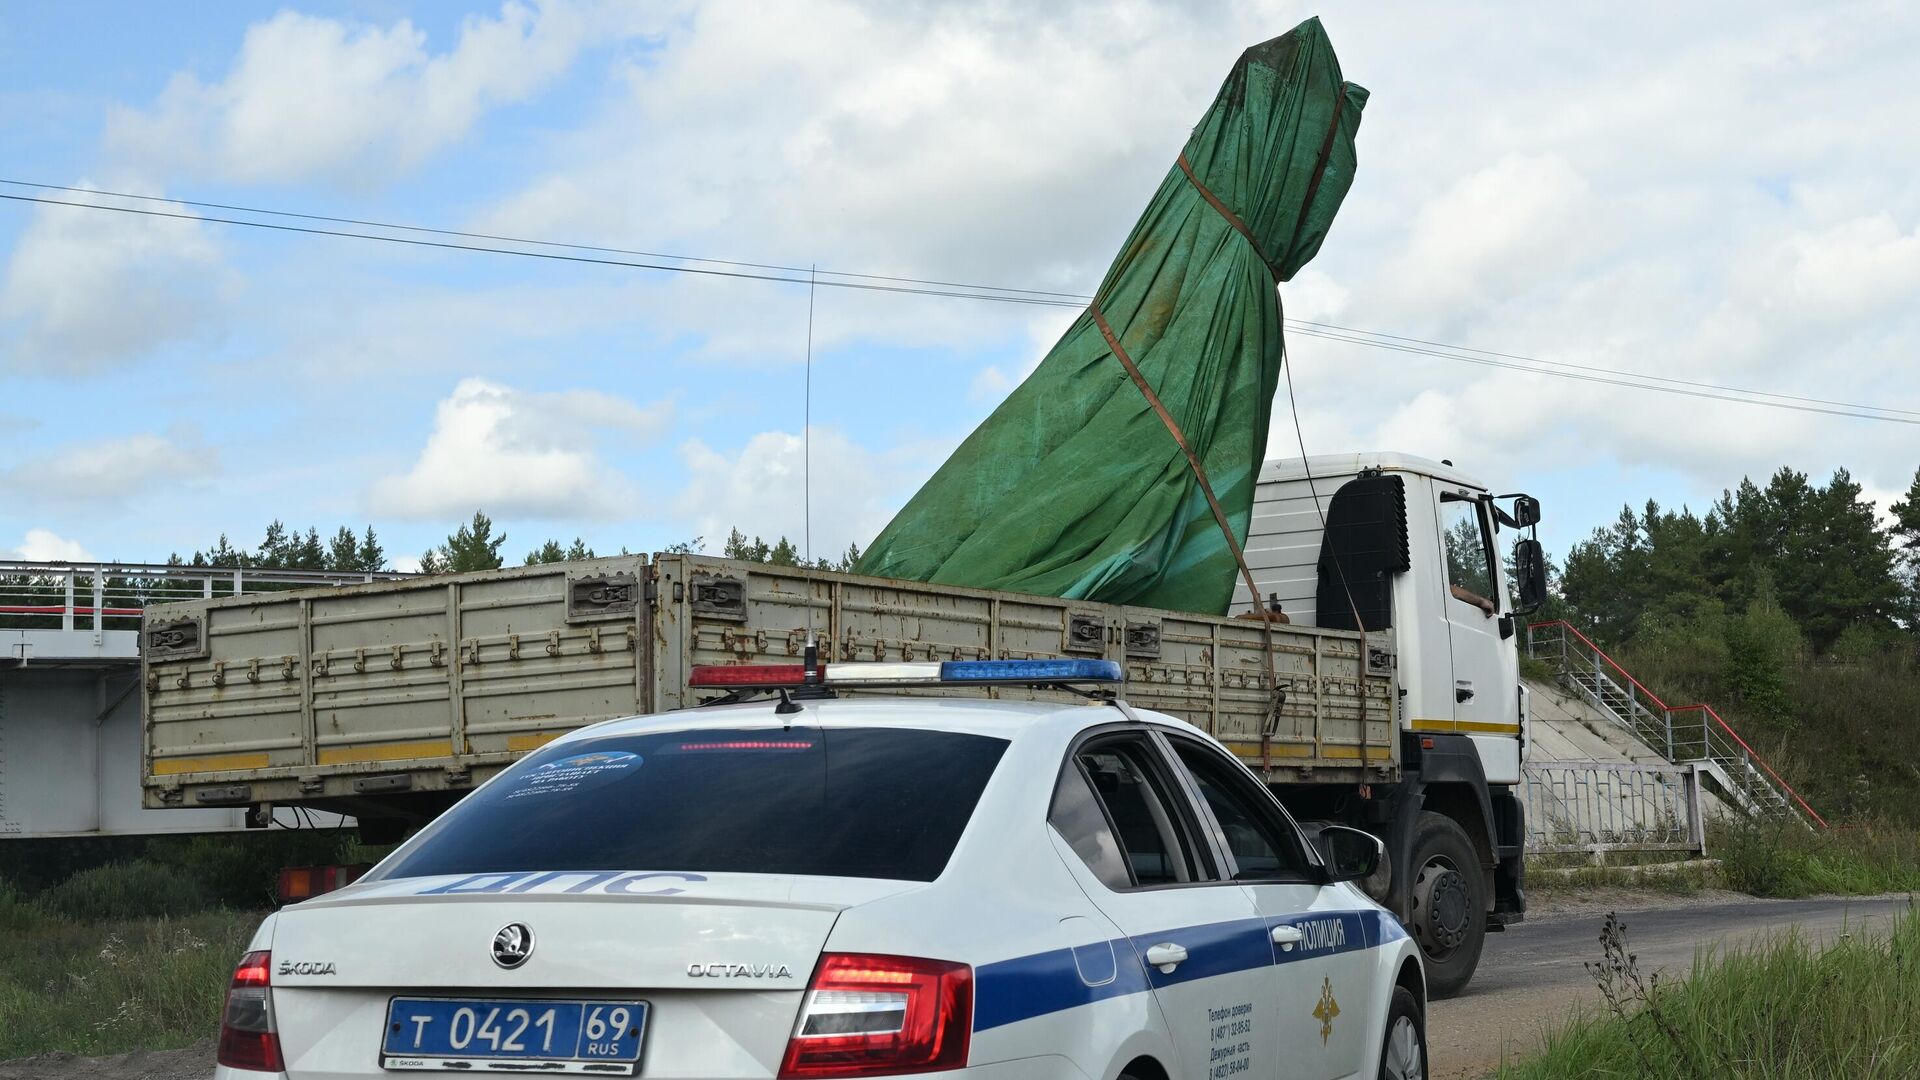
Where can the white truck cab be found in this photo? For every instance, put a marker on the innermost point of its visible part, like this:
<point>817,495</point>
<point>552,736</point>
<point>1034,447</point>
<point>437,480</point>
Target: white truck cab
<point>1407,547</point>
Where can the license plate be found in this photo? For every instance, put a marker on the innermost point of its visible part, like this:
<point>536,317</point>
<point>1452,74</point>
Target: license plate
<point>600,1038</point>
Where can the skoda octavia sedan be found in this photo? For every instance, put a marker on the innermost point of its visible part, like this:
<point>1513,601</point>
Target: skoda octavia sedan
<point>872,886</point>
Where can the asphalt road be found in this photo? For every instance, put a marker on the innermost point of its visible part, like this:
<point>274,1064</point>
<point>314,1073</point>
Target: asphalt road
<point>1531,977</point>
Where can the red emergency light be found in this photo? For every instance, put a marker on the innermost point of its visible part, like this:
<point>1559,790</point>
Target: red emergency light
<point>748,675</point>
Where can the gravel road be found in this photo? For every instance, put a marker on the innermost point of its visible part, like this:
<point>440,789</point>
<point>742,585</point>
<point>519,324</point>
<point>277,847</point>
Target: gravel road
<point>1531,977</point>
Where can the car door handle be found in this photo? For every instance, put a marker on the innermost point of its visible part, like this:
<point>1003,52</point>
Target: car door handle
<point>1166,956</point>
<point>1287,936</point>
<point>1463,691</point>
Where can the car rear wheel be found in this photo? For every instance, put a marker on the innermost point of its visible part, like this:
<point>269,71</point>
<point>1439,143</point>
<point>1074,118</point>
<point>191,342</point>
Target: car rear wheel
<point>1447,903</point>
<point>1403,1052</point>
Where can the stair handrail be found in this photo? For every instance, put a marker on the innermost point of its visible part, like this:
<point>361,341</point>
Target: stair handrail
<point>1752,755</point>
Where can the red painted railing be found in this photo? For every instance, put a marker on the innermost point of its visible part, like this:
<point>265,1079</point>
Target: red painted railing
<point>1752,754</point>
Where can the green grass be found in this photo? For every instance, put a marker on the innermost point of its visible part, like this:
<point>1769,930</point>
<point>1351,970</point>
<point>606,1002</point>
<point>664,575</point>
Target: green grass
<point>128,943</point>
<point>130,890</point>
<point>113,986</point>
<point>1784,1010</point>
<point>1787,861</point>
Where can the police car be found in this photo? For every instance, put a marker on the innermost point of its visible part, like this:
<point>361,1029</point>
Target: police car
<point>807,886</point>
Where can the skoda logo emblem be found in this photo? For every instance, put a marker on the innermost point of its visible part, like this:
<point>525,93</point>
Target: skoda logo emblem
<point>512,945</point>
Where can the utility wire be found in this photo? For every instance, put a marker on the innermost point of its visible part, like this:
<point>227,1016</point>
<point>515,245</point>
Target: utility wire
<point>538,243</point>
<point>554,256</point>
<point>1682,391</point>
<point>1305,324</point>
<point>966,291</point>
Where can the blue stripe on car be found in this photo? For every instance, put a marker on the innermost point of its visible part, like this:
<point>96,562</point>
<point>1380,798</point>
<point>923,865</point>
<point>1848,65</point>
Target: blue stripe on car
<point>1024,987</point>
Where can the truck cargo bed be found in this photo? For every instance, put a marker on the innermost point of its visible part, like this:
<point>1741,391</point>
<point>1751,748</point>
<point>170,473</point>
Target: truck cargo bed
<point>367,697</point>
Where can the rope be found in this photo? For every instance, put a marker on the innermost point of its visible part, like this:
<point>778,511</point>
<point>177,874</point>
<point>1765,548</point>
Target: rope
<point>1199,471</point>
<point>1219,516</point>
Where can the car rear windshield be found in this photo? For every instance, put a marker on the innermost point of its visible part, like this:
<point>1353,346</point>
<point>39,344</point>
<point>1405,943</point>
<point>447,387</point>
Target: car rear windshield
<point>867,802</point>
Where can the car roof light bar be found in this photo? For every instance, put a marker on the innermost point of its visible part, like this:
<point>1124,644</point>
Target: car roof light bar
<point>903,674</point>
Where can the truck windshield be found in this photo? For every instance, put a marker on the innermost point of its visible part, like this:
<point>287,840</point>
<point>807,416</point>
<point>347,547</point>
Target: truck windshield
<point>866,802</point>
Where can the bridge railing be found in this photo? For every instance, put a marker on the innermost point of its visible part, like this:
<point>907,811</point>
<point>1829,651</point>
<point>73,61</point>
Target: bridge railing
<point>112,596</point>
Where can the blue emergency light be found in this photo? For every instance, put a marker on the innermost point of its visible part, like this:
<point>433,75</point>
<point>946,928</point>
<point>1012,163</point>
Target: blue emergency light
<point>1030,671</point>
<point>929,673</point>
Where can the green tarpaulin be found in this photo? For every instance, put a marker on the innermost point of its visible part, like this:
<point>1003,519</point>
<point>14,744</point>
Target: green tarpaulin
<point>1074,486</point>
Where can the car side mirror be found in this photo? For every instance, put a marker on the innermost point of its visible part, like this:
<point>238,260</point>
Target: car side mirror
<point>1530,570</point>
<point>1350,854</point>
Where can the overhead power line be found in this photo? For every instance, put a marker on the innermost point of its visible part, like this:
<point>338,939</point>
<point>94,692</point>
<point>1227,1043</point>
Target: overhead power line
<point>1305,324</point>
<point>886,283</point>
<point>1081,299</point>
<point>1851,411</point>
<point>550,255</point>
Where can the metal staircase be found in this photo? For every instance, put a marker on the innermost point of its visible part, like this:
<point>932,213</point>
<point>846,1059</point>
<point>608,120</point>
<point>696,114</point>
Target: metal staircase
<point>1685,734</point>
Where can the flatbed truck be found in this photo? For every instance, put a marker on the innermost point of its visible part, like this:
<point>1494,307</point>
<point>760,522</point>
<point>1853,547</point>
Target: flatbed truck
<point>1374,682</point>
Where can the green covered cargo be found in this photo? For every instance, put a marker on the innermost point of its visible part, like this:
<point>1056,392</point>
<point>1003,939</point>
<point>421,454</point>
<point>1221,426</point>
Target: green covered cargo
<point>1075,487</point>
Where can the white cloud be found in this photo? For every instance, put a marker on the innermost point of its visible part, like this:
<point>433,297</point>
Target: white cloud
<point>517,453</point>
<point>1005,143</point>
<point>759,488</point>
<point>110,470</point>
<point>42,545</point>
<point>86,289</point>
<point>355,104</point>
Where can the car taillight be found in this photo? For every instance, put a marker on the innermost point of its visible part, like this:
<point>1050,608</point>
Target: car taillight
<point>880,1016</point>
<point>247,1036</point>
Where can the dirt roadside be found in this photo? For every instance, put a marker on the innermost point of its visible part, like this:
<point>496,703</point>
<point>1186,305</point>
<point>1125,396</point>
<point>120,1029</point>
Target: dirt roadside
<point>193,1063</point>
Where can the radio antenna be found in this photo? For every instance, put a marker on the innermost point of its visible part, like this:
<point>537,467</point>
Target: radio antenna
<point>806,465</point>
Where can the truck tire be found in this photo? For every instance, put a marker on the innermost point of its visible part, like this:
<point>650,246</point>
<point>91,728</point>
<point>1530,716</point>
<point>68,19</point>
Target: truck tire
<point>1446,903</point>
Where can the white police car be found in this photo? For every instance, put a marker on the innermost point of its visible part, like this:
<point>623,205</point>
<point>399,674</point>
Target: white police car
<point>875,886</point>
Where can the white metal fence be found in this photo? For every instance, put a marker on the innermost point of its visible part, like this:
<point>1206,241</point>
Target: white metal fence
<point>111,596</point>
<point>1597,807</point>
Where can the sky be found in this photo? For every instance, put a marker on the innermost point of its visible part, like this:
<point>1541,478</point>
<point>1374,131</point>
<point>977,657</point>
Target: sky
<point>1723,193</point>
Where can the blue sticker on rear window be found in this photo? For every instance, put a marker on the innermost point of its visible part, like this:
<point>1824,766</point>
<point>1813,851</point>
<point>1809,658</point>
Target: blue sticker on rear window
<point>575,772</point>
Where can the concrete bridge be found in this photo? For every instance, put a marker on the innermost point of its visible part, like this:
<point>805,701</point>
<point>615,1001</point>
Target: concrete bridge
<point>71,742</point>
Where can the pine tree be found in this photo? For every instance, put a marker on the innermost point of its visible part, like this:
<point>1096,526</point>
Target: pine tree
<point>372,555</point>
<point>343,551</point>
<point>552,552</point>
<point>472,547</point>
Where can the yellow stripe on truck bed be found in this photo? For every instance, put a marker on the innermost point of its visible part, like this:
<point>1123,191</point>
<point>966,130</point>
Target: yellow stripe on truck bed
<point>392,751</point>
<point>532,742</point>
<point>174,766</point>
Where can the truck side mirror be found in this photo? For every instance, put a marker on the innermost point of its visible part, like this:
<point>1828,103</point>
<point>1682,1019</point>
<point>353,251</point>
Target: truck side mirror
<point>1530,572</point>
<point>1525,514</point>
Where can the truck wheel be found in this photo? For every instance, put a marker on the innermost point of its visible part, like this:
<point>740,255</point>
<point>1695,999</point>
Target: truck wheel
<point>1446,905</point>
